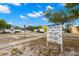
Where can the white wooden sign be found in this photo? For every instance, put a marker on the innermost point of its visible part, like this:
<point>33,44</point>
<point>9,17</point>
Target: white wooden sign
<point>54,34</point>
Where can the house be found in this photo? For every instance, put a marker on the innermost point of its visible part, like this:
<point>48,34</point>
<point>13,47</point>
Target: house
<point>74,29</point>
<point>1,31</point>
<point>36,30</point>
<point>41,30</point>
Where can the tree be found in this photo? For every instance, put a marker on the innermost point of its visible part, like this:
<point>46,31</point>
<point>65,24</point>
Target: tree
<point>4,25</point>
<point>73,9</point>
<point>8,26</point>
<point>17,27</point>
<point>31,28</point>
<point>61,16</point>
<point>71,5</point>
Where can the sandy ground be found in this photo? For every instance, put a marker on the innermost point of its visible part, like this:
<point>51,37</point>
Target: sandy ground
<point>40,48</point>
<point>6,38</point>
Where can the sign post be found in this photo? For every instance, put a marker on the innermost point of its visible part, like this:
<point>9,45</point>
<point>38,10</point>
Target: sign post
<point>24,31</point>
<point>54,35</point>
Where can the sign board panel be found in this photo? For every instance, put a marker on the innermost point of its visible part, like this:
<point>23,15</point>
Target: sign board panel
<point>54,34</point>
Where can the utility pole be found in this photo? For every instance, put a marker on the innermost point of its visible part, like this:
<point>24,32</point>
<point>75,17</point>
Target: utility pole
<point>24,31</point>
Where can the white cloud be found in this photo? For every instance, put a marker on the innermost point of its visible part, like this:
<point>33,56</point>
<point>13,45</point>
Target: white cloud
<point>44,19</point>
<point>35,14</point>
<point>63,4</point>
<point>4,9</point>
<point>23,17</point>
<point>16,4</point>
<point>10,23</point>
<point>41,12</point>
<point>32,15</point>
<point>49,7</point>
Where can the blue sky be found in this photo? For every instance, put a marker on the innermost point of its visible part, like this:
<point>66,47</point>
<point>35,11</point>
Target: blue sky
<point>27,13</point>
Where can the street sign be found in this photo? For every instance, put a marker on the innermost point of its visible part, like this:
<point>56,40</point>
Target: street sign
<point>54,34</point>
